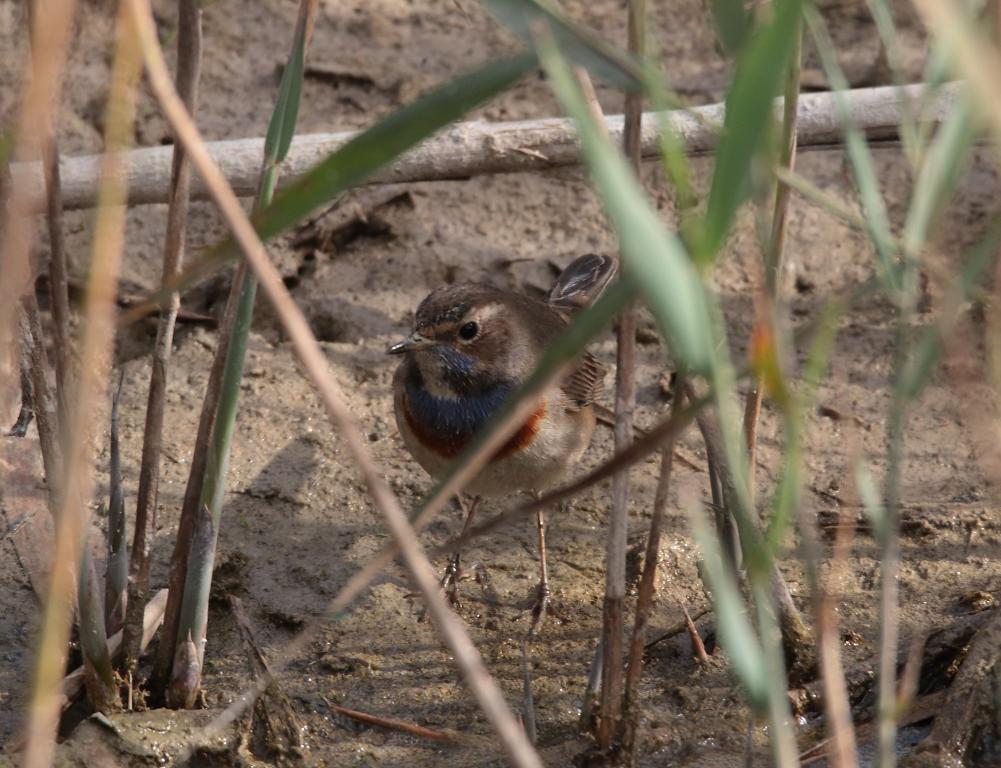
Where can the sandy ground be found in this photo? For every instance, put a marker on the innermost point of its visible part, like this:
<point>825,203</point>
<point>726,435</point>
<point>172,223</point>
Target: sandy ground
<point>297,522</point>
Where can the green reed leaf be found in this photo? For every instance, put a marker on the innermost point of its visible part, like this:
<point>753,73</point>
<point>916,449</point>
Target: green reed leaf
<point>654,257</point>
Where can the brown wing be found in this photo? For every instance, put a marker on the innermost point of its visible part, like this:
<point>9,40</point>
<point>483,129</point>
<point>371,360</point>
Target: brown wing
<point>585,384</point>
<point>582,282</point>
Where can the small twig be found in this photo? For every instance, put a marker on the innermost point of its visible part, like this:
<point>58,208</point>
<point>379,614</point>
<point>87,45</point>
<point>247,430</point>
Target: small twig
<point>606,418</point>
<point>389,723</point>
<point>677,629</point>
<point>698,647</point>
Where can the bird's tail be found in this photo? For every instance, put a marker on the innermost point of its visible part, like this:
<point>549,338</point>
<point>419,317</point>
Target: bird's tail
<point>582,282</point>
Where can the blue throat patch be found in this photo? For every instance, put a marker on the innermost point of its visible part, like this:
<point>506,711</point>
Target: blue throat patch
<point>454,418</point>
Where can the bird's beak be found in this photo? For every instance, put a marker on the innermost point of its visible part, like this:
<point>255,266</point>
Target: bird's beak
<point>412,342</point>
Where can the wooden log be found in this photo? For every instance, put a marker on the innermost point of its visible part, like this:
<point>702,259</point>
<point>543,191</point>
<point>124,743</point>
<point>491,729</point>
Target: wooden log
<point>477,148</point>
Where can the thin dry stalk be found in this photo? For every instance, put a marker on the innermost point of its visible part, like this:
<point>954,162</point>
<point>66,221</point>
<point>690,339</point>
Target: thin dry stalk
<point>117,567</point>
<point>50,38</point>
<point>59,298</point>
<point>189,60</point>
<point>841,750</point>
<point>677,629</point>
<point>698,647</point>
<point>389,723</point>
<point>612,684</point>
<point>99,315</point>
<point>647,588</point>
<point>42,403</point>
<point>484,688</point>
<point>193,493</point>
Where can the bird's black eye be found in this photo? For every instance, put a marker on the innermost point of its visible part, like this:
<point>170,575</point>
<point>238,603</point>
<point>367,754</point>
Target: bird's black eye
<point>468,331</point>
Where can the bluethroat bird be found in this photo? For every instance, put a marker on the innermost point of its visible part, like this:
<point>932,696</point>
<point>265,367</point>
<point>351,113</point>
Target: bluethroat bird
<point>472,344</point>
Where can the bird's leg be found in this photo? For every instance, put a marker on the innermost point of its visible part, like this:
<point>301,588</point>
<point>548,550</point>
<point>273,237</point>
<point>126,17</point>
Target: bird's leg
<point>542,590</point>
<point>453,571</point>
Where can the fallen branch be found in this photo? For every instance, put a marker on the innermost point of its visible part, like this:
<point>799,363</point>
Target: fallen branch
<point>472,148</point>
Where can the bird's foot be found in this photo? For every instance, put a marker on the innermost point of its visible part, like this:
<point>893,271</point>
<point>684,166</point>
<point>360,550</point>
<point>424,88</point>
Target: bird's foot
<point>541,608</point>
<point>450,581</point>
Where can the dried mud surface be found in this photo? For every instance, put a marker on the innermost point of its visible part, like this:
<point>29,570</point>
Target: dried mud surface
<point>297,522</point>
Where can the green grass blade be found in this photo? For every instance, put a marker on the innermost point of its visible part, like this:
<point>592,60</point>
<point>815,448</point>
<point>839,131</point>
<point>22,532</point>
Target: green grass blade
<point>743,649</point>
<point>761,70</point>
<point>787,496</point>
<point>882,14</point>
<point>653,256</point>
<point>524,16</point>
<point>733,22</point>
<point>673,158</point>
<point>281,129</point>
<point>873,206</point>
<point>943,165</point>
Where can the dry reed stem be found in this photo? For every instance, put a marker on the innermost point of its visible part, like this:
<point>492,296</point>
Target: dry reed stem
<point>311,357</point>
<point>193,492</point>
<point>189,59</point>
<point>610,694</point>
<point>99,329</point>
<point>50,39</point>
<point>476,148</point>
<point>842,750</point>
<point>648,582</point>
<point>42,402</point>
<point>58,275</point>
